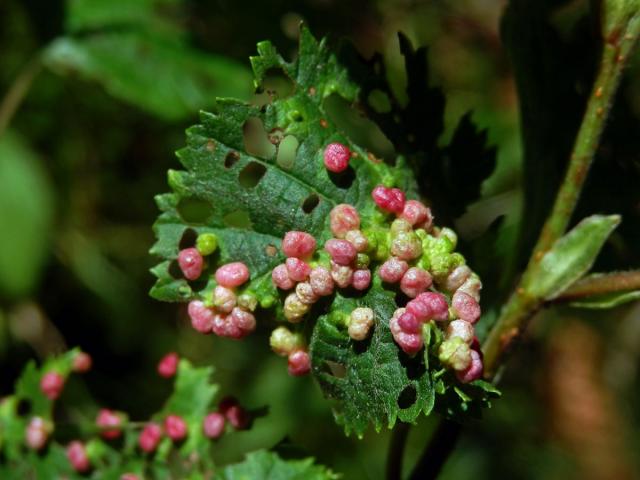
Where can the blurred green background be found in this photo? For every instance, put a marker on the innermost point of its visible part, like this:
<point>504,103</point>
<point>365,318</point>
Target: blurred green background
<point>96,97</point>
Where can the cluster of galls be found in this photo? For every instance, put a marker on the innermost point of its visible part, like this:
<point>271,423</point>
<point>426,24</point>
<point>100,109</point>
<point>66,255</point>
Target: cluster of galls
<point>110,423</point>
<point>226,313</point>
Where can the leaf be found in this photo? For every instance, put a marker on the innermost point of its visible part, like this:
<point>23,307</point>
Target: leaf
<point>159,75</point>
<point>375,382</point>
<point>191,399</point>
<point>26,216</point>
<point>263,465</point>
<point>607,300</point>
<point>248,199</point>
<point>571,256</point>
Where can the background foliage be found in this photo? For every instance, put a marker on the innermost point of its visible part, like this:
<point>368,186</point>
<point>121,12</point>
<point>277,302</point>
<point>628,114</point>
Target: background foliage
<point>117,82</point>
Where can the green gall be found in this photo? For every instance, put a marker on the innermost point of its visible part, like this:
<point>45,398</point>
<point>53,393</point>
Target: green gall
<point>455,353</point>
<point>207,243</point>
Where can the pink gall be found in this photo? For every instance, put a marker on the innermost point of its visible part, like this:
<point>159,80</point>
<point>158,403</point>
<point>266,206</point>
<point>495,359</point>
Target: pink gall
<point>392,270</point>
<point>465,307</point>
<point>457,277</point>
<point>168,365</point>
<point>150,437</point>
<point>419,309</point>
<point>361,279</point>
<point>416,213</point>
<point>336,157</point>
<point>201,316</point>
<point>213,425</point>
<point>474,371</point>
<point>299,363</point>
<point>224,326</point>
<point>37,433</point>
<point>243,320</point>
<point>409,323</point>
<point>190,261</point>
<point>298,244</point>
<point>52,384</point>
<point>297,269</point>
<point>175,427</point>
<point>305,293</point>
<point>389,199</point>
<point>82,363</point>
<point>232,274</point>
<point>342,252</point>
<point>280,277</point>
<point>294,308</point>
<point>77,455</point>
<point>410,343</point>
<point>109,423</point>
<point>224,299</point>
<point>415,281</point>
<point>342,275</point>
<point>360,323</point>
<point>238,417</point>
<point>462,329</point>
<point>342,219</point>
<point>321,281</point>
<point>358,240</point>
<point>437,304</point>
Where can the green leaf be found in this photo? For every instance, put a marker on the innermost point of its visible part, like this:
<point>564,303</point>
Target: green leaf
<point>373,380</point>
<point>159,75</point>
<point>26,214</point>
<point>191,399</point>
<point>571,256</point>
<point>249,198</point>
<point>263,465</point>
<point>607,300</point>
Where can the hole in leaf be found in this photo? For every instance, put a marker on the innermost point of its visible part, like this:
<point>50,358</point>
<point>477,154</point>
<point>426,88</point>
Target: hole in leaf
<point>188,238</point>
<point>256,140</point>
<point>379,101</point>
<point>344,179</point>
<point>335,369</point>
<point>310,203</point>
<point>407,397</point>
<point>271,250</point>
<point>287,152</point>
<point>362,345</point>
<point>194,210</point>
<point>414,366</point>
<point>276,84</point>
<point>231,159</point>
<point>174,270</point>
<point>251,174</point>
<point>357,127</point>
<point>237,219</point>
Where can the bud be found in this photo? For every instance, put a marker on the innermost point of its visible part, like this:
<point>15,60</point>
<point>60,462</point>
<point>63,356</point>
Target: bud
<point>294,309</point>
<point>190,262</point>
<point>299,363</point>
<point>52,384</point>
<point>455,353</point>
<point>201,316</point>
<point>224,299</point>
<point>415,281</point>
<point>232,274</point>
<point>362,261</point>
<point>283,341</point>
<point>298,244</point>
<point>343,218</point>
<point>248,301</point>
<point>462,329</point>
<point>305,293</point>
<point>360,323</point>
<point>280,277</point>
<point>358,240</point>
<point>213,425</point>
<point>321,281</point>
<point>207,243</point>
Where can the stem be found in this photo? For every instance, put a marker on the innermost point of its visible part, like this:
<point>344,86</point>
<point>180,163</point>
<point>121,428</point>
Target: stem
<point>437,451</point>
<point>601,283</point>
<point>522,305</point>
<point>396,448</point>
<point>17,92</point>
